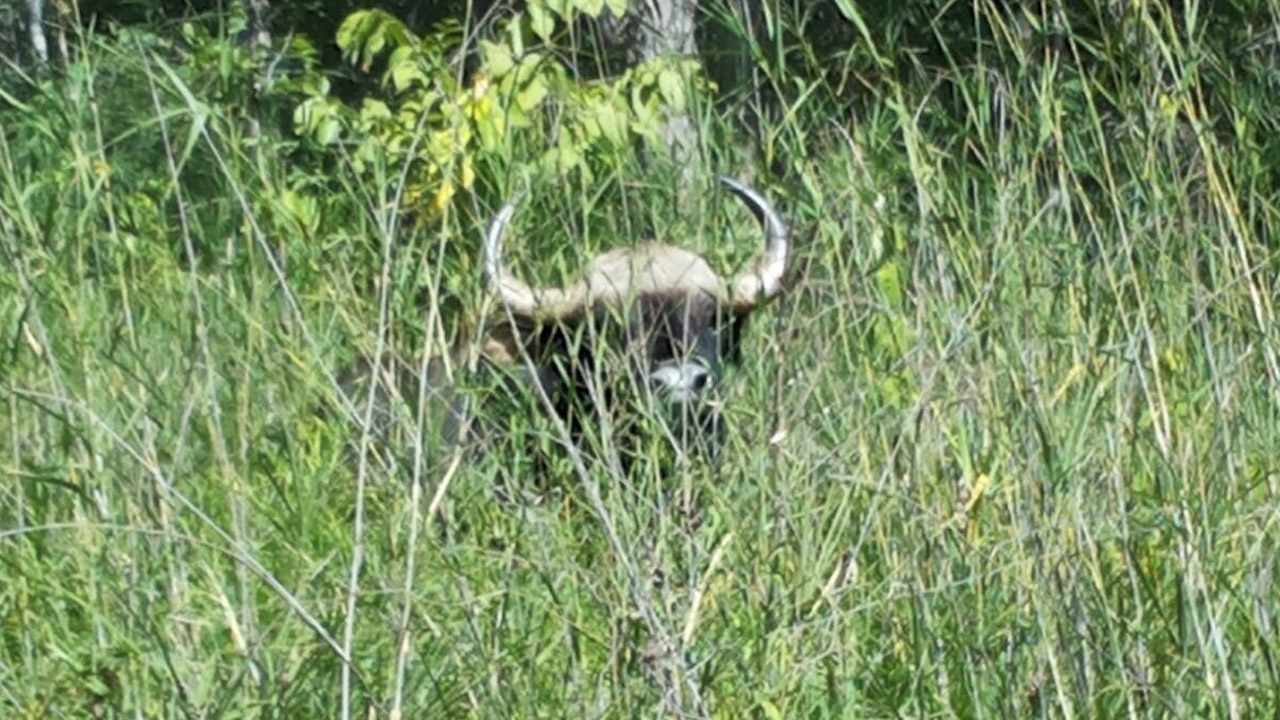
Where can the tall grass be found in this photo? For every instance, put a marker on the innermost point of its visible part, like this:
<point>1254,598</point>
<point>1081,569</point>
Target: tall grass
<point>1006,449</point>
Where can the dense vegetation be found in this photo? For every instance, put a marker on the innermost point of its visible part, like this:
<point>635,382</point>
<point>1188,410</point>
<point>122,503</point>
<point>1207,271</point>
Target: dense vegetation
<point>1008,448</point>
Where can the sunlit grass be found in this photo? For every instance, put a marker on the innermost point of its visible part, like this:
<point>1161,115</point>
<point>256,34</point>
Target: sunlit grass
<point>1006,449</point>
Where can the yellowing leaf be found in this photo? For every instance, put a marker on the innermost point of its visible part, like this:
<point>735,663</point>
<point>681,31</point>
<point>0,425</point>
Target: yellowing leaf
<point>479,105</point>
<point>443,196</point>
<point>468,174</point>
<point>975,493</point>
<point>1072,375</point>
<point>440,144</point>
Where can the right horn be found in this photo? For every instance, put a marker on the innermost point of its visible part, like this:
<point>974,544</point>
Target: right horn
<point>762,280</point>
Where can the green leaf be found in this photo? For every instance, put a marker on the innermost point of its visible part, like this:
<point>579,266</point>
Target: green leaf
<point>492,130</point>
<point>644,113</point>
<point>404,70</point>
<point>304,210</point>
<point>771,711</point>
<point>14,102</point>
<point>592,8</point>
<point>515,31</point>
<point>315,85</point>
<point>377,41</point>
<point>570,156</point>
<point>850,13</point>
<point>350,30</point>
<point>373,109</point>
<point>329,131</point>
<point>613,124</point>
<point>671,85</point>
<point>528,67</point>
<point>541,22</point>
<point>531,95</point>
<point>889,281</point>
<point>496,59</point>
<point>617,7</point>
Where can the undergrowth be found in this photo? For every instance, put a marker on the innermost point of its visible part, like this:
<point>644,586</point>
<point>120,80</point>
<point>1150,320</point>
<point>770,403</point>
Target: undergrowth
<point>1006,448</point>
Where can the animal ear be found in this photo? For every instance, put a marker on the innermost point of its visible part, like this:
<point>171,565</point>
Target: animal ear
<point>505,344</point>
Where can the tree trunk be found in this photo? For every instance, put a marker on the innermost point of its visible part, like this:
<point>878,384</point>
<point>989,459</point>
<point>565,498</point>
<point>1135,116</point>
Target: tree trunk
<point>35,31</point>
<point>657,28</point>
<point>667,27</point>
<point>257,33</point>
<point>257,37</point>
<point>10,31</point>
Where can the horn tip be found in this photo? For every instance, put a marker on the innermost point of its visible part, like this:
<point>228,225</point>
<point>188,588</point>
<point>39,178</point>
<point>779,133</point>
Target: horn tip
<point>731,182</point>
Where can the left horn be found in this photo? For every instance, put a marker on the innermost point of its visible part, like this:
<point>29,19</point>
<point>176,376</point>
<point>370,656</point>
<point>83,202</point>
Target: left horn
<point>762,281</point>
<point>516,295</point>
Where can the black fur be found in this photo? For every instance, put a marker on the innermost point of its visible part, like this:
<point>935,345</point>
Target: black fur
<point>601,361</point>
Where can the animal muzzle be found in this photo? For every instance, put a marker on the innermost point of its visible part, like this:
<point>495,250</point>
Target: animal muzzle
<point>681,383</point>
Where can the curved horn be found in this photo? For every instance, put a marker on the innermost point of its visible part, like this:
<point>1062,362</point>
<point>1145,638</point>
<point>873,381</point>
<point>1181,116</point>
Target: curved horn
<point>517,296</point>
<point>763,279</point>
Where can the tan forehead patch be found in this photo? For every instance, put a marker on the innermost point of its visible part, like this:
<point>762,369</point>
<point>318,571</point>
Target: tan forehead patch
<point>651,269</point>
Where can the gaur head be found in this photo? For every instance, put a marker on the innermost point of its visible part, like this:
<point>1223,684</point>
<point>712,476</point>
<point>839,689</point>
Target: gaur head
<point>658,313</point>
